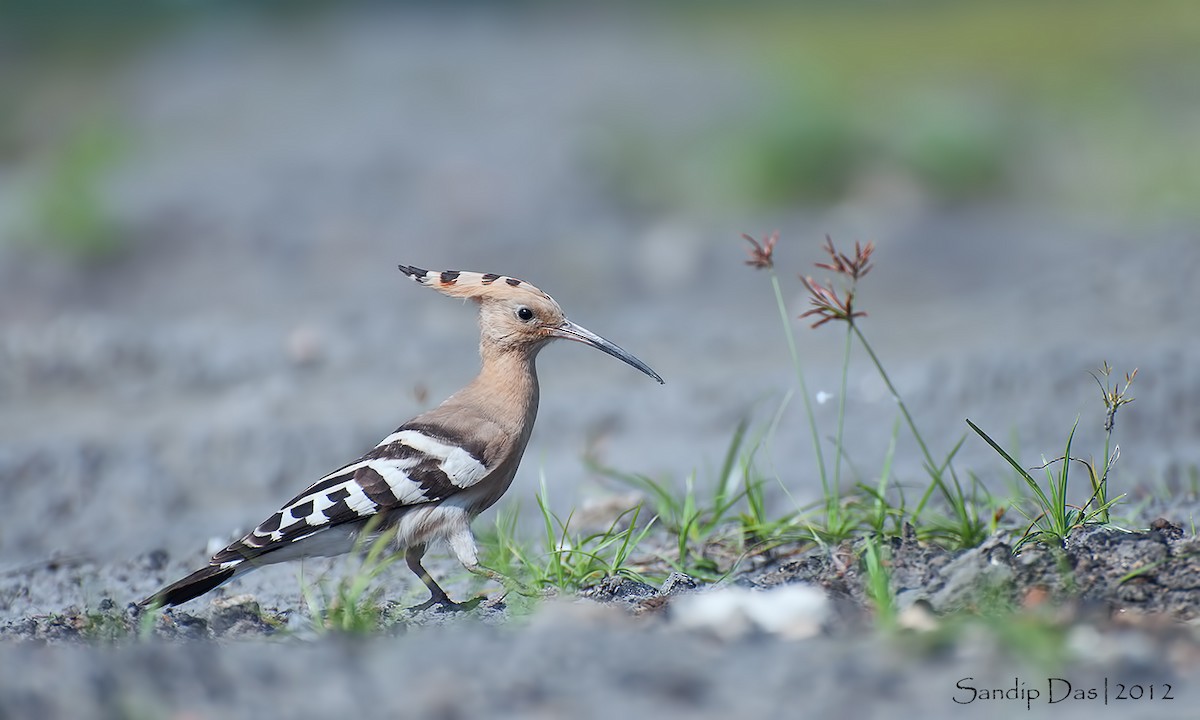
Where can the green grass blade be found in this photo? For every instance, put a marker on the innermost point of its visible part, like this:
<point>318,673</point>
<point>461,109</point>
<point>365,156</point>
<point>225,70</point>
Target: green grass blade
<point>725,479</point>
<point>1033,484</point>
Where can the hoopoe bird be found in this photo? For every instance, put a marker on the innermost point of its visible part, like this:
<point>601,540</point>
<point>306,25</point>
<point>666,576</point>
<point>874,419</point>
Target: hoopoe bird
<point>431,477</point>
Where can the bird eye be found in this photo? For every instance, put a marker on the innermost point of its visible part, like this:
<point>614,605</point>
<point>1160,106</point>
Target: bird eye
<point>524,314</point>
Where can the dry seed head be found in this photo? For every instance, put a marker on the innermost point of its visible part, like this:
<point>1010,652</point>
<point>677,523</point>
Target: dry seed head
<point>1114,395</point>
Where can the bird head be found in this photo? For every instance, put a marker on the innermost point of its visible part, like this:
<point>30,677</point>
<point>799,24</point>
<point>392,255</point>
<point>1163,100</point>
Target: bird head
<point>515,315</point>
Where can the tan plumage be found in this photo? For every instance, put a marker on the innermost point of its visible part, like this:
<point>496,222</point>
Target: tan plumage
<point>430,478</point>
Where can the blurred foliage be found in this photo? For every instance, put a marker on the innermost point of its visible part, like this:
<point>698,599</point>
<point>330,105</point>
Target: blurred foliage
<point>1081,104</point>
<point>57,114</point>
<point>1086,104</point>
<point>806,148</point>
<point>70,215</point>
<point>954,147</point>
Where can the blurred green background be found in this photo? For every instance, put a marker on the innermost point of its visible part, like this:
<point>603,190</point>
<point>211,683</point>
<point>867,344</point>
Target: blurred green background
<point>1076,106</point>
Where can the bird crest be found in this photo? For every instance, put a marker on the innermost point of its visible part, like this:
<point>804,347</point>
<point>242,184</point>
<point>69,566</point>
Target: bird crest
<point>473,285</point>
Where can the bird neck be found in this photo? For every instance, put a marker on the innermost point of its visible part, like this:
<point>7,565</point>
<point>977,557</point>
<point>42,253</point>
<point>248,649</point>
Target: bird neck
<point>508,384</point>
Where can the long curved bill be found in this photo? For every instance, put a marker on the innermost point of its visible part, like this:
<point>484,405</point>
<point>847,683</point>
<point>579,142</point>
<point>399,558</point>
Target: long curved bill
<point>570,331</point>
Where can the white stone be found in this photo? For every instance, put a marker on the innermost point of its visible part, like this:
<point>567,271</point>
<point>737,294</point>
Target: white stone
<point>792,611</point>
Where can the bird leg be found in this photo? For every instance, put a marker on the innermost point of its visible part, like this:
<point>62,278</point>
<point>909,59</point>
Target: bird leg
<point>437,596</point>
<point>462,543</point>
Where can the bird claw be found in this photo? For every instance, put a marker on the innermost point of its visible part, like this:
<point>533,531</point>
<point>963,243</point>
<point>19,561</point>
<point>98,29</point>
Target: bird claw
<point>445,605</point>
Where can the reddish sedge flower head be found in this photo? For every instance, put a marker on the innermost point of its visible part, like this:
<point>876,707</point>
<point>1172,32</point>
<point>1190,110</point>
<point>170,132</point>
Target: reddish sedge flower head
<point>761,253</point>
<point>827,304</point>
<point>855,267</point>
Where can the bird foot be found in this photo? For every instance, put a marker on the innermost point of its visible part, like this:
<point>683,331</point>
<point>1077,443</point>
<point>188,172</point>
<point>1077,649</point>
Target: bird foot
<point>445,605</point>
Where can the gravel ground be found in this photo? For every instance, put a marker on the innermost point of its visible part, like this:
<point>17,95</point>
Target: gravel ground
<point>256,334</point>
<point>796,633</point>
<point>570,668</point>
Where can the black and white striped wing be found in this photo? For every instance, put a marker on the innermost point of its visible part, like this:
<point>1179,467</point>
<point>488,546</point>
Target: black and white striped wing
<point>412,466</point>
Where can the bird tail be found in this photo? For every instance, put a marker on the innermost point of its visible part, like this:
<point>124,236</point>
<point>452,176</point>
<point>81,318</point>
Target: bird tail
<point>192,586</point>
